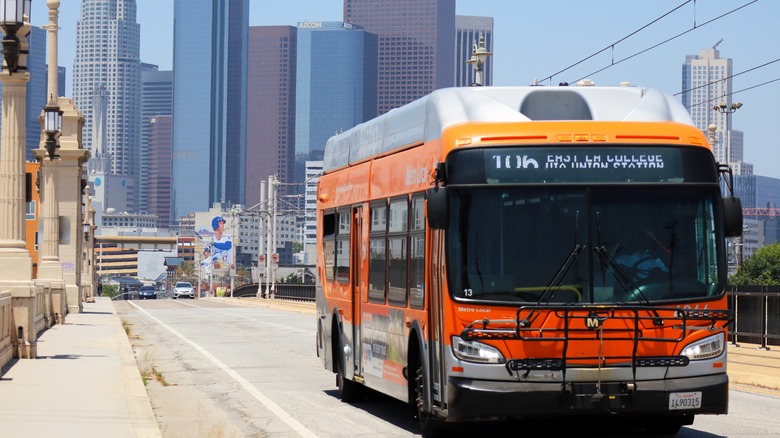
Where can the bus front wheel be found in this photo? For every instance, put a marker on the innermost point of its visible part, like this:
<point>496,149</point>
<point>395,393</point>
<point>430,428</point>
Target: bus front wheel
<point>430,426</point>
<point>349,391</point>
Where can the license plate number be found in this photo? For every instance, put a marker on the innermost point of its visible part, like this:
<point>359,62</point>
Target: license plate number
<point>684,400</point>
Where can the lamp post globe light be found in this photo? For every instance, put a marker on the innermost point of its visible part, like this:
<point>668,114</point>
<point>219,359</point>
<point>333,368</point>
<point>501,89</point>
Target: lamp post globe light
<point>12,18</point>
<point>478,58</point>
<point>52,126</point>
<point>728,111</point>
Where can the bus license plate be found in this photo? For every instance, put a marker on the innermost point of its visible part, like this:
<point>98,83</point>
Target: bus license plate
<point>684,400</point>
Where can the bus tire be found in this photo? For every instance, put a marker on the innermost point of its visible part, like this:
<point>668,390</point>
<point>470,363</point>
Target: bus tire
<point>349,391</point>
<point>430,426</point>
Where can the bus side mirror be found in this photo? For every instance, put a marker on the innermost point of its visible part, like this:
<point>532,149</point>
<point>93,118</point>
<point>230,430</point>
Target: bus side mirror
<point>732,216</point>
<point>438,218</point>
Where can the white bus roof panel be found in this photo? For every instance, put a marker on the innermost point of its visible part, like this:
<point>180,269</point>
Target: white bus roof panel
<point>426,118</point>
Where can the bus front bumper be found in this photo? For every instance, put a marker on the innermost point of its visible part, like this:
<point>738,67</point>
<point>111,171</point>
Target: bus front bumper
<point>470,399</point>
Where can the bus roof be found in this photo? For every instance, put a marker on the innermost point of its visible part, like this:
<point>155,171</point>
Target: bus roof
<point>426,118</point>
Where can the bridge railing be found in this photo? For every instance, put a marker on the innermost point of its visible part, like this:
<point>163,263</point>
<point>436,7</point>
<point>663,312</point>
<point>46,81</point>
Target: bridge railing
<point>756,315</point>
<point>283,291</point>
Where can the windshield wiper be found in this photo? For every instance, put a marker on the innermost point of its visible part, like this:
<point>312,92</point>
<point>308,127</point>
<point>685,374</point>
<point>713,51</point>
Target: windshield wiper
<point>620,274</point>
<point>561,274</point>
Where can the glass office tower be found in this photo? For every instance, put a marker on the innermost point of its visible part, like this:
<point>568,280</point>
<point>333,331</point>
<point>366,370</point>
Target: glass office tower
<point>336,79</point>
<point>416,46</point>
<point>209,103</point>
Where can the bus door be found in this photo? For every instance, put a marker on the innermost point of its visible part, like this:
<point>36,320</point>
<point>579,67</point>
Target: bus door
<point>358,285</point>
<point>436,318</point>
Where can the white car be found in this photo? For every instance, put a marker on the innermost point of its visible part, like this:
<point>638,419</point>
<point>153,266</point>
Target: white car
<point>183,289</point>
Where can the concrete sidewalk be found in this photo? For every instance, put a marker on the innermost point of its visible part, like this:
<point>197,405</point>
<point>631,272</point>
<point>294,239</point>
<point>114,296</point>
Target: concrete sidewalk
<point>750,365</point>
<point>85,383</point>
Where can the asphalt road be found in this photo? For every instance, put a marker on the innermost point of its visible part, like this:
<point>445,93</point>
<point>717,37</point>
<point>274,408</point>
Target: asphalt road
<point>221,370</point>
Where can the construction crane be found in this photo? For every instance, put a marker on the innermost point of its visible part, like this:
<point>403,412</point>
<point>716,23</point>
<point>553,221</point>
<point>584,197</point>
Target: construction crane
<point>762,212</point>
<point>716,44</point>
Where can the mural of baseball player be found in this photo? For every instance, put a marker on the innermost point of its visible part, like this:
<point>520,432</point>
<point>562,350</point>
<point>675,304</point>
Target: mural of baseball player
<point>221,245</point>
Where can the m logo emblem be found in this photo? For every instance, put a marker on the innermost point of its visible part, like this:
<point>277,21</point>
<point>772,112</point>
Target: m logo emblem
<point>593,321</point>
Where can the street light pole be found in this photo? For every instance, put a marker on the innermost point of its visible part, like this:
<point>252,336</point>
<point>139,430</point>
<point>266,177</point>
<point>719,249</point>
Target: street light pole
<point>262,257</point>
<point>16,282</point>
<point>728,111</point>
<point>50,273</point>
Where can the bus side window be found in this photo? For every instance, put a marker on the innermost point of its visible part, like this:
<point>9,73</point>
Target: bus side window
<point>417,253</point>
<point>398,250</point>
<point>329,243</point>
<point>343,246</point>
<point>377,270</point>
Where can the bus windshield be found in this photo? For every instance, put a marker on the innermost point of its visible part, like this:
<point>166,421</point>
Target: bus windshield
<point>600,244</point>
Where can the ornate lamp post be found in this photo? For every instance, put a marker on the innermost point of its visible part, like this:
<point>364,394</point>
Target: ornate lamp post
<point>478,58</point>
<point>15,260</point>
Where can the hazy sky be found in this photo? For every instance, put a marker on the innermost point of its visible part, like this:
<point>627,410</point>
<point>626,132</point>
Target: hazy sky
<point>537,39</point>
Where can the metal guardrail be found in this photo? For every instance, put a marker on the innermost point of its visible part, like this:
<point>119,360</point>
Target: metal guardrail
<point>756,315</point>
<point>283,291</point>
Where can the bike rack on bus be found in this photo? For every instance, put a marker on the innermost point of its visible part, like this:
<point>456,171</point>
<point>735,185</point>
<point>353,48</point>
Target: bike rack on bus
<point>676,326</point>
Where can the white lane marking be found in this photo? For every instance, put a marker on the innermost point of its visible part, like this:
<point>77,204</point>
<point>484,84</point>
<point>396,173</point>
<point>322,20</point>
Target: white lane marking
<point>273,407</point>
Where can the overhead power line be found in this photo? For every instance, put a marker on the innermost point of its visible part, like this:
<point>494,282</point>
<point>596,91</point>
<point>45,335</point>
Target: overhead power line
<point>734,92</point>
<point>612,46</point>
<point>727,77</point>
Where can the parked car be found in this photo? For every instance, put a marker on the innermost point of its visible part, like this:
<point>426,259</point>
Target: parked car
<point>183,289</point>
<point>148,293</point>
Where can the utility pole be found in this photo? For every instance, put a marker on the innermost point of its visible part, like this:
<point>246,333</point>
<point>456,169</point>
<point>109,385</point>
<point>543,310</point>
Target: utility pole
<point>262,257</point>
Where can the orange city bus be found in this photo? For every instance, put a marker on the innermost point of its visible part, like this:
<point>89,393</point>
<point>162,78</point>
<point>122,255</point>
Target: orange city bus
<point>492,253</point>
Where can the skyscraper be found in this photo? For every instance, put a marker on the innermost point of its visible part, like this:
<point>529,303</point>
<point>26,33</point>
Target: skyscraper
<point>209,102</point>
<point>706,82</point>
<point>416,46</point>
<point>160,145</point>
<point>107,85</point>
<point>36,98</point>
<point>36,88</point>
<point>336,78</point>
<point>156,100</point>
<point>271,106</point>
<point>468,31</point>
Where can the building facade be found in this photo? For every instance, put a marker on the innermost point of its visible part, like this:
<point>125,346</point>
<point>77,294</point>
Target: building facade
<point>468,31</point>
<point>336,78</point>
<point>210,103</point>
<point>768,207</point>
<point>271,107</point>
<point>156,100</point>
<point>416,46</point>
<point>706,82</point>
<point>160,167</point>
<point>107,85</point>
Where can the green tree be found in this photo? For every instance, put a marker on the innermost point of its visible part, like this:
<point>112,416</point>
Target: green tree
<point>186,270</point>
<point>291,279</point>
<point>760,269</point>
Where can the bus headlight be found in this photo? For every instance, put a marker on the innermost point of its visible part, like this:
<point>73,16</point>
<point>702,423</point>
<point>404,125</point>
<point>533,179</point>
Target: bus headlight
<point>473,351</point>
<point>706,348</point>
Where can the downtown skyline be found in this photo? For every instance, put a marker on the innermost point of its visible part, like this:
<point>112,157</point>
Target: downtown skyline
<point>555,35</point>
